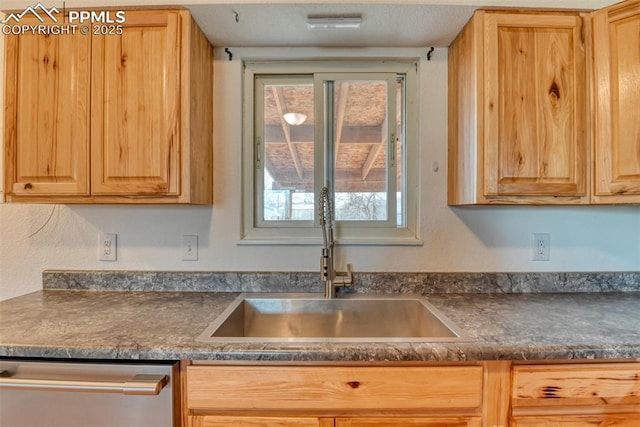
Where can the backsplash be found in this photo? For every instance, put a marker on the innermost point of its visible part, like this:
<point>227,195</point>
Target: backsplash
<point>420,283</point>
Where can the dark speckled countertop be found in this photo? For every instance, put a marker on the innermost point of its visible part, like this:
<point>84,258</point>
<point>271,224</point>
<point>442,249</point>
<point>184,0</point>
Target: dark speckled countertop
<point>156,325</point>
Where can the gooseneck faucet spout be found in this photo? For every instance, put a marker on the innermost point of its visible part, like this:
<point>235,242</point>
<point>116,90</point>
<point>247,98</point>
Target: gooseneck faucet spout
<point>326,223</point>
<point>327,269</point>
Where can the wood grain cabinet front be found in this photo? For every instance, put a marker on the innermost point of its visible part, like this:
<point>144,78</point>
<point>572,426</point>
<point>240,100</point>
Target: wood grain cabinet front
<point>616,37</point>
<point>240,421</point>
<point>47,121</point>
<point>578,421</point>
<point>408,422</point>
<point>517,110</point>
<point>334,396</point>
<point>471,394</point>
<point>576,395</point>
<point>111,118</point>
<point>544,108</point>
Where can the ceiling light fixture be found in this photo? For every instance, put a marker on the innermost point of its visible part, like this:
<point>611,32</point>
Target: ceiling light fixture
<point>294,119</point>
<point>324,22</point>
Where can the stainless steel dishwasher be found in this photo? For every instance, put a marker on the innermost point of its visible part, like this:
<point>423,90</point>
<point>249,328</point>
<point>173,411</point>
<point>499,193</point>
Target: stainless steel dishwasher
<point>87,394</point>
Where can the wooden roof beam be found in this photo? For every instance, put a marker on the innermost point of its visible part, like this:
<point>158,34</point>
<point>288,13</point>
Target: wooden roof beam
<point>373,153</point>
<point>342,109</point>
<point>279,98</point>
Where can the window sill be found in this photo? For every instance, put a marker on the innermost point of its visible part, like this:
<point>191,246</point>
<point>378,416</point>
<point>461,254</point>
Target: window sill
<point>341,242</point>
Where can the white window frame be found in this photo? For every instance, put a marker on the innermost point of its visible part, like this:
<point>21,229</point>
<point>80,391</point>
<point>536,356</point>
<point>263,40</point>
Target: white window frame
<point>346,232</point>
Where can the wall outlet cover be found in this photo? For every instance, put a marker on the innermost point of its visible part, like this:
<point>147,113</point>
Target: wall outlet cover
<point>107,247</point>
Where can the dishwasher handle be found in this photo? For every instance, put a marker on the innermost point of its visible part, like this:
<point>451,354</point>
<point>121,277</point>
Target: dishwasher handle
<point>148,385</point>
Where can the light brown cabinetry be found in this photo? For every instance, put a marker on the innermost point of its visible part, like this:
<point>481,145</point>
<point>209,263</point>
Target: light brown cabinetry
<point>47,104</point>
<point>579,421</point>
<point>482,394</point>
<point>581,395</point>
<point>517,110</point>
<point>544,108</point>
<point>115,118</point>
<point>408,422</point>
<point>616,71</point>
<point>357,396</point>
<point>240,421</point>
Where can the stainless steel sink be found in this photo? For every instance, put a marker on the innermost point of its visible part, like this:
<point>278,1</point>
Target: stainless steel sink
<point>312,318</point>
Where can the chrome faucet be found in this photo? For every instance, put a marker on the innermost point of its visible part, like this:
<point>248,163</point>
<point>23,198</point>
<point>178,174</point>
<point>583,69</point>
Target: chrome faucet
<point>332,279</point>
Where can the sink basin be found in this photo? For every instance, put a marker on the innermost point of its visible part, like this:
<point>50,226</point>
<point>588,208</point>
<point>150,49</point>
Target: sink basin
<point>312,318</point>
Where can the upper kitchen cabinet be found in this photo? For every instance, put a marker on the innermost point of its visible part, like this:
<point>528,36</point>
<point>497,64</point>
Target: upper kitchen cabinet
<point>47,114</point>
<point>517,110</point>
<point>616,41</point>
<point>111,118</point>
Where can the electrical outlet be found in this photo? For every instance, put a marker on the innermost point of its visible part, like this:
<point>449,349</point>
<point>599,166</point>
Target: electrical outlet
<point>190,247</point>
<point>541,246</point>
<point>107,247</point>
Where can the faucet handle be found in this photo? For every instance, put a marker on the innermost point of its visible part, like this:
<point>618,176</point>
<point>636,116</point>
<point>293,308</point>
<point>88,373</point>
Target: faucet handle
<point>344,279</point>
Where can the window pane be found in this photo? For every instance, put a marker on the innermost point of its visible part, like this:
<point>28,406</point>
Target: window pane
<point>360,147</point>
<point>288,150</point>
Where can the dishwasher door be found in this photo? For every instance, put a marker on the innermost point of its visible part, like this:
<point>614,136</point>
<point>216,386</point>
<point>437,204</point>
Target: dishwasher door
<point>87,394</point>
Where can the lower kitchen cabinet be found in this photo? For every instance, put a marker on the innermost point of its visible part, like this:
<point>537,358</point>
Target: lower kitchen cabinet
<point>578,421</point>
<point>336,396</point>
<point>237,421</point>
<point>465,394</point>
<point>576,395</point>
<point>407,422</point>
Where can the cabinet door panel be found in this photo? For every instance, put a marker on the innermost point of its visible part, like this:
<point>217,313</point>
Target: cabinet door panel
<point>617,78</point>
<point>47,113</point>
<point>226,421</point>
<point>535,105</point>
<point>578,421</point>
<point>136,87</point>
<point>576,385</point>
<point>407,422</point>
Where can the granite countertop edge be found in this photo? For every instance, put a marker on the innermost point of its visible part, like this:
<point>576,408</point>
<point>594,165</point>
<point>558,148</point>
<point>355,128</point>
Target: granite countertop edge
<point>126,325</point>
<point>362,353</point>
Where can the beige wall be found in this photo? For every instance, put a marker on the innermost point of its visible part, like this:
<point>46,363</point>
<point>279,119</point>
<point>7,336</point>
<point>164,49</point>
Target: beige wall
<point>455,239</point>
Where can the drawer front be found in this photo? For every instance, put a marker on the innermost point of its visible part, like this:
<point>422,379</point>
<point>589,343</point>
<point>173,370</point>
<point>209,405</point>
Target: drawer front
<point>579,421</point>
<point>232,388</point>
<point>408,422</point>
<point>562,385</point>
<point>221,421</point>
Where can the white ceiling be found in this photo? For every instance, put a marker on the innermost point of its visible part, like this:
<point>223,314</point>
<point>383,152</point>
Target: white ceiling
<point>286,25</point>
<point>385,23</point>
<point>282,23</point>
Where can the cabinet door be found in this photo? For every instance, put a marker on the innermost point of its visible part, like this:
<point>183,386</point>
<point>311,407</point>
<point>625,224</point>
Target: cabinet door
<point>535,110</point>
<point>407,422</point>
<point>578,421</point>
<point>136,105</point>
<point>616,37</point>
<point>226,421</point>
<point>47,113</point>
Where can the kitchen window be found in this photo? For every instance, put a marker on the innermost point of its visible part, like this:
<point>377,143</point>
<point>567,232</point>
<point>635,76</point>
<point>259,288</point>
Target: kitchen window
<point>347,125</point>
